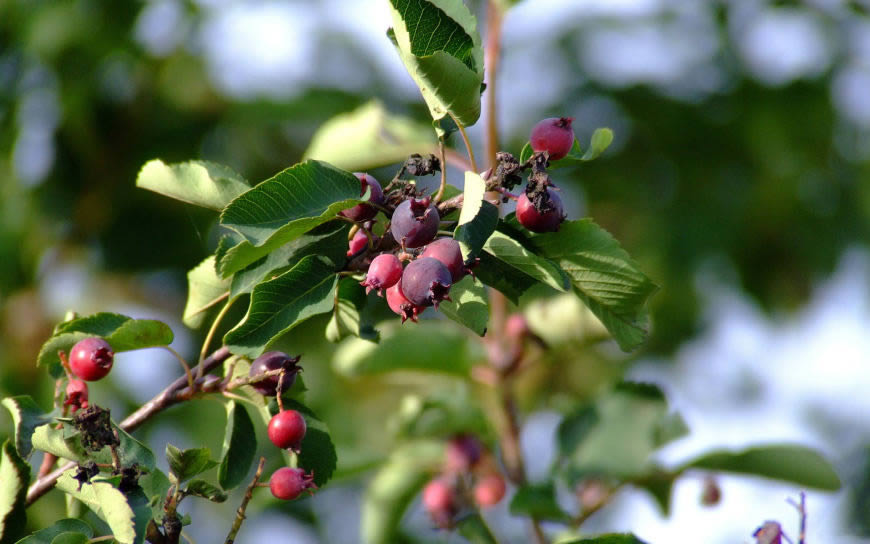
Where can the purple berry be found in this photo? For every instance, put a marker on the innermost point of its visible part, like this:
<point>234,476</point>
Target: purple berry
<point>362,212</point>
<point>91,359</point>
<point>400,305</point>
<point>546,220</point>
<point>274,360</point>
<point>384,272</point>
<point>463,452</point>
<point>448,252</point>
<point>426,282</point>
<point>288,483</point>
<point>415,222</point>
<point>553,135</point>
<point>357,244</point>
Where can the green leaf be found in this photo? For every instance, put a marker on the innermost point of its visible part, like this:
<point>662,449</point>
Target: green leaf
<point>346,319</point>
<point>26,416</point>
<point>470,305</point>
<point>512,254</point>
<point>527,152</point>
<point>505,278</point>
<point>445,413</point>
<point>185,464</point>
<point>473,528</point>
<point>538,501</point>
<point>368,137</point>
<point>574,428</point>
<point>391,490</point>
<point>439,44</point>
<point>601,140</point>
<point>121,332</point>
<point>205,490</point>
<point>435,348</point>
<point>280,304</point>
<point>659,484</point>
<point>201,183</point>
<point>478,218</point>
<point>47,535</point>
<point>317,452</point>
<point>603,275</point>
<point>68,446</point>
<point>790,463</point>
<point>240,447</point>
<point>155,485</point>
<point>70,538</point>
<point>205,289</point>
<point>14,479</point>
<point>126,515</point>
<point>47,438</point>
<point>284,207</point>
<point>609,539</point>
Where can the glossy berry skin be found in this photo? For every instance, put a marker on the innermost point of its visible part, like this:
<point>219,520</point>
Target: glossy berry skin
<point>274,360</point>
<point>357,244</point>
<point>384,272</point>
<point>76,395</point>
<point>400,305</point>
<point>287,429</point>
<point>546,221</point>
<point>288,483</point>
<point>489,491</point>
<point>363,212</point>
<point>553,135</point>
<point>415,222</point>
<point>463,453</point>
<point>447,251</point>
<point>426,282</point>
<point>91,359</point>
<point>439,502</point>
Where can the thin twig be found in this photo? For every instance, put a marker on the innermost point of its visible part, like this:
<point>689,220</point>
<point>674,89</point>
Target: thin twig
<point>211,332</point>
<point>184,365</point>
<point>240,513</point>
<point>802,512</point>
<point>492,53</point>
<point>280,389</point>
<point>443,186</point>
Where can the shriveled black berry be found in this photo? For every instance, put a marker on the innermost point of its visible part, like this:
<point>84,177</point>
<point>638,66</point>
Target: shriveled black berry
<point>426,282</point>
<point>415,222</point>
<point>95,425</point>
<point>85,472</point>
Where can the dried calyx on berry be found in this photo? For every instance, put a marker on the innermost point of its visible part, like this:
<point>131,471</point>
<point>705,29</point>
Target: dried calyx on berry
<point>415,222</point>
<point>274,360</point>
<point>400,305</point>
<point>288,483</point>
<point>95,426</point>
<point>76,395</point>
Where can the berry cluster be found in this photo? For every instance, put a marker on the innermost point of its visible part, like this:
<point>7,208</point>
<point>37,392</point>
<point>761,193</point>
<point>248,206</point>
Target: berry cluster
<point>469,475</point>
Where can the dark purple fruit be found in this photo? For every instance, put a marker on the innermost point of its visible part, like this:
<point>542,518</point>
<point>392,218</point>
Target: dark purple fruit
<point>553,135</point>
<point>362,212</point>
<point>384,272</point>
<point>415,222</point>
<point>288,483</point>
<point>400,305</point>
<point>448,252</point>
<point>91,359</point>
<point>274,360</point>
<point>426,282</point>
<point>547,219</point>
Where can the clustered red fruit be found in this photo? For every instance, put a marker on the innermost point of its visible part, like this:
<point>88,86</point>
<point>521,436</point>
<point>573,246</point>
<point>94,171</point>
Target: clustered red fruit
<point>364,212</point>
<point>287,429</point>
<point>489,490</point>
<point>447,251</point>
<point>288,483</point>
<point>76,395</point>
<point>426,282</point>
<point>91,359</point>
<point>553,135</point>
<point>384,272</point>
<point>547,218</point>
<point>400,305</point>
<point>439,500</point>
<point>274,360</point>
<point>415,222</point>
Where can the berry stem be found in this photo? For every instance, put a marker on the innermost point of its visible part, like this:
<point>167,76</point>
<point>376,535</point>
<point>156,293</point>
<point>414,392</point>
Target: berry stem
<point>443,185</point>
<point>240,513</point>
<point>208,338</point>
<point>467,143</point>
<point>280,389</point>
<point>184,365</point>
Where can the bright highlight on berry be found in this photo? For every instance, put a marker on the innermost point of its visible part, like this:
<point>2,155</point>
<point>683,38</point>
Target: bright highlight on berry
<point>91,359</point>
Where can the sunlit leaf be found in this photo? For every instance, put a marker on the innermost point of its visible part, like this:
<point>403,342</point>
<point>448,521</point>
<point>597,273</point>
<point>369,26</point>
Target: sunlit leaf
<point>205,289</point>
<point>26,416</point>
<point>202,183</point>
<point>14,478</point>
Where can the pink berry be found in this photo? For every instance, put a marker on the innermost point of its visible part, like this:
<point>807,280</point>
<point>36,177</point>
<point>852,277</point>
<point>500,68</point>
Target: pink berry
<point>553,135</point>
<point>362,212</point>
<point>76,395</point>
<point>91,359</point>
<point>357,244</point>
<point>287,429</point>
<point>489,491</point>
<point>288,483</point>
<point>400,305</point>
<point>426,282</point>
<point>415,222</point>
<point>447,251</point>
<point>384,272</point>
<point>439,501</point>
<point>516,327</point>
<point>274,360</point>
<point>547,220</point>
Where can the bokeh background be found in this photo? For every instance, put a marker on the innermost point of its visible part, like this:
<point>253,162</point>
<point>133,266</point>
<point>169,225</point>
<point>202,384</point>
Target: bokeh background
<point>739,178</point>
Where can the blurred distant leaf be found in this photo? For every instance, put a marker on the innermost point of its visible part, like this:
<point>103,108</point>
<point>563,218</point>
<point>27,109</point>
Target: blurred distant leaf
<point>538,501</point>
<point>439,44</point>
<point>478,218</point>
<point>280,304</point>
<point>601,140</point>
<point>26,416</point>
<point>395,485</point>
<point>15,476</point>
<point>202,183</point>
<point>317,452</point>
<point>70,538</point>
<point>608,539</point>
<point>185,464</point>
<point>790,463</point>
<point>442,414</point>
<point>126,515</point>
<point>47,535</point>
<point>469,305</point>
<point>204,290</point>
<point>369,137</point>
<point>239,449</point>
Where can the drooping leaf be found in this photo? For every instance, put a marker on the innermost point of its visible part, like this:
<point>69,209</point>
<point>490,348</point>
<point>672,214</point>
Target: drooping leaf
<point>469,305</point>
<point>603,275</point>
<point>317,452</point>
<point>283,208</point>
<point>14,479</point>
<point>346,315</point>
<point>538,501</point>
<point>790,463</point>
<point>205,289</point>
<point>513,254</point>
<point>47,535</point>
<point>26,416</point>
<point>391,490</point>
<point>478,218</point>
<point>279,304</point>
<point>205,490</point>
<point>439,44</point>
<point>202,183</point>
<point>368,137</point>
<point>185,464</point>
<point>126,515</point>
<point>121,332</point>
<point>240,447</point>
<point>609,539</point>
<point>155,484</point>
<point>601,140</point>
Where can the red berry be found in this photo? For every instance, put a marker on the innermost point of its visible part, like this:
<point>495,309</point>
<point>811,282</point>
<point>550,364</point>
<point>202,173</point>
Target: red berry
<point>516,326</point>
<point>384,272</point>
<point>287,429</point>
<point>439,501</point>
<point>274,360</point>
<point>400,305</point>
<point>463,453</point>
<point>426,282</point>
<point>357,244</point>
<point>76,395</point>
<point>415,222</point>
<point>91,359</point>
<point>546,220</point>
<point>288,483</point>
<point>553,135</point>
<point>362,212</point>
<point>489,491</point>
<point>447,251</point>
